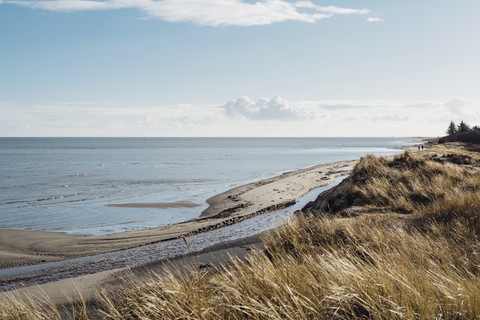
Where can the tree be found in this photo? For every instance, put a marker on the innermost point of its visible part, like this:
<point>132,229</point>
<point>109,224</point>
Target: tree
<point>463,127</point>
<point>452,128</point>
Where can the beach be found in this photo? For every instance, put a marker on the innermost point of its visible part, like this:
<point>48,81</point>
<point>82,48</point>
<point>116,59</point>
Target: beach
<point>76,281</point>
<point>152,181</point>
<point>249,201</point>
<point>227,209</point>
<point>20,247</point>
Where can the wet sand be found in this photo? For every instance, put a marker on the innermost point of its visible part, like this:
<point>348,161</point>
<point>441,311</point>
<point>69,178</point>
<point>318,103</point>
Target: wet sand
<point>18,247</point>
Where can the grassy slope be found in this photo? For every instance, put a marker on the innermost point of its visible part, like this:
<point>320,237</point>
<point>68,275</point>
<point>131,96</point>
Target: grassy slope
<point>409,250</point>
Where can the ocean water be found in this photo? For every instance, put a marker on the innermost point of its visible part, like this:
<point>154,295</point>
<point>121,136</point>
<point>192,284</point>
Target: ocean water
<point>65,184</point>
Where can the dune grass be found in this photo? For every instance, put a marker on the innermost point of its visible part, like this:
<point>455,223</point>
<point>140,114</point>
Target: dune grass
<point>408,183</point>
<point>24,306</point>
<point>411,182</point>
<point>413,254</point>
<point>322,269</point>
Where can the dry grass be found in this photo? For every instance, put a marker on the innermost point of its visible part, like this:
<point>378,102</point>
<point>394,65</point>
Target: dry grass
<point>410,182</point>
<point>393,265</point>
<point>17,306</point>
<point>367,267</point>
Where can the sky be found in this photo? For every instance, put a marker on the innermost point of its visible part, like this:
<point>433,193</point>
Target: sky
<point>162,68</point>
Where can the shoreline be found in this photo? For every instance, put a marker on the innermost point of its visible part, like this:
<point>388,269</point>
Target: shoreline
<point>22,248</point>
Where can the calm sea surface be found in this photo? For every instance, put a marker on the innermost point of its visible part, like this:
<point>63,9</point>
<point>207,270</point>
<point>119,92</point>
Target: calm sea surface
<point>64,184</point>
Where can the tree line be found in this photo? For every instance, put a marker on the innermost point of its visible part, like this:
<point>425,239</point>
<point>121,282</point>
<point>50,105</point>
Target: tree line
<point>461,127</point>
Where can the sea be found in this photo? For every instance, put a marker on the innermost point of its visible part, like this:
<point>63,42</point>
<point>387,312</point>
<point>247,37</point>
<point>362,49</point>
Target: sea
<point>66,184</point>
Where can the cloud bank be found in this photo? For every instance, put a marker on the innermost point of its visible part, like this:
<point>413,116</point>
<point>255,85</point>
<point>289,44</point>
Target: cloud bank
<point>240,117</point>
<point>205,12</point>
<point>264,109</point>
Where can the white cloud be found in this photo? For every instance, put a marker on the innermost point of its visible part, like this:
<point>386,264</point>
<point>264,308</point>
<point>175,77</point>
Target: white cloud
<point>390,118</point>
<point>64,5</point>
<point>304,4</point>
<point>456,106</point>
<point>337,10</point>
<point>340,106</point>
<point>205,12</point>
<point>264,109</point>
<point>372,19</point>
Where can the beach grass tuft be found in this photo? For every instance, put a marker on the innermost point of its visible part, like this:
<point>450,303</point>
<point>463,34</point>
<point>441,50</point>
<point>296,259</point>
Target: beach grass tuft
<point>22,306</point>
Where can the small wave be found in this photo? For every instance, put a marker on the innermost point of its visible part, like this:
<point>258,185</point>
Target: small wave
<point>118,184</point>
<point>43,200</point>
<point>158,205</point>
<point>46,198</point>
<point>78,175</point>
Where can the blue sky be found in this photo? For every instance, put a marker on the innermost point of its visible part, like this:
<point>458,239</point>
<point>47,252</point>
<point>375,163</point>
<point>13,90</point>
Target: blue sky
<point>238,68</point>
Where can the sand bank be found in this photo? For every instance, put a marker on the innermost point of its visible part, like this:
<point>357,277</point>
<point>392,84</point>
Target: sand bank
<point>18,247</point>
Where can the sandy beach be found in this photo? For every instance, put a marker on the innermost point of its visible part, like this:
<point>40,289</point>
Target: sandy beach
<point>18,247</point>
